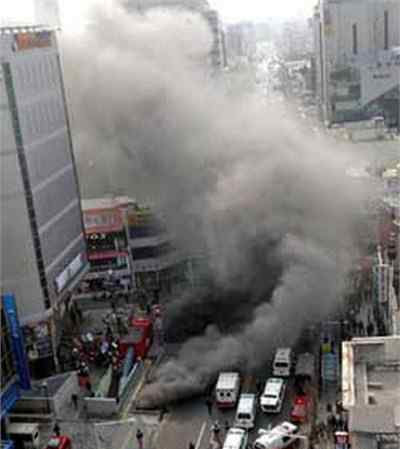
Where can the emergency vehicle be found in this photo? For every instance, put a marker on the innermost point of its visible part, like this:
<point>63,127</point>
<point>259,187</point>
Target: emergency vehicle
<point>227,389</point>
<point>140,337</point>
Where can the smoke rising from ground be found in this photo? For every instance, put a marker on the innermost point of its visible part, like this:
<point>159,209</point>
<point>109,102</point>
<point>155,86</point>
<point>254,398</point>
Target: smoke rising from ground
<point>270,201</point>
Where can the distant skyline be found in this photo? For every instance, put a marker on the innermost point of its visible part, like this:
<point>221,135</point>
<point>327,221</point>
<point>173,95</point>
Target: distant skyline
<point>260,10</point>
<point>230,10</point>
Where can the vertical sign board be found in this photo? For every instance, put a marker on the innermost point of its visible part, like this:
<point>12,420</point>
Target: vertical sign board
<point>17,340</point>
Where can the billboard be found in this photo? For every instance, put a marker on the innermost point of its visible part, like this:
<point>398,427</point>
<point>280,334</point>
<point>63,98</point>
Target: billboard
<point>31,40</point>
<point>17,340</point>
<point>69,273</point>
<point>103,220</point>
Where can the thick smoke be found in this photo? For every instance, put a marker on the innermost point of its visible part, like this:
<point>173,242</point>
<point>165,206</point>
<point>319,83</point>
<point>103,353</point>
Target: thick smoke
<point>269,202</point>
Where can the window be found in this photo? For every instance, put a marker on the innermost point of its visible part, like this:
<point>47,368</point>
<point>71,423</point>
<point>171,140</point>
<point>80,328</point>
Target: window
<point>281,365</point>
<point>386,30</point>
<point>355,43</point>
<point>244,416</point>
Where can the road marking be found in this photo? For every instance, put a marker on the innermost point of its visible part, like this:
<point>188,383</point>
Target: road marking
<point>201,434</point>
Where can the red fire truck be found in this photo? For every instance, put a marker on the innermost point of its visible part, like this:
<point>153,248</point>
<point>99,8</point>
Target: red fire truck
<point>140,336</point>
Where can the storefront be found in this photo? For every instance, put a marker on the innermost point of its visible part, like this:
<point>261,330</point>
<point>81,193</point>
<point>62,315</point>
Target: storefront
<point>38,343</point>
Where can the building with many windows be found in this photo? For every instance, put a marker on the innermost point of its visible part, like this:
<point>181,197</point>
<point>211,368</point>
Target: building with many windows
<point>42,238</point>
<point>357,59</point>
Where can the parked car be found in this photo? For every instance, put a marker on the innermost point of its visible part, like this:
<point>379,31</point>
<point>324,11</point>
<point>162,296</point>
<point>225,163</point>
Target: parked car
<point>300,409</point>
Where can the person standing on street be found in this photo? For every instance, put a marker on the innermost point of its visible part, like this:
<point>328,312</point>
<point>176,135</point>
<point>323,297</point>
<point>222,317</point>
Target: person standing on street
<point>74,400</point>
<point>139,438</point>
<point>216,431</point>
<point>227,426</point>
<point>56,429</point>
<point>370,329</point>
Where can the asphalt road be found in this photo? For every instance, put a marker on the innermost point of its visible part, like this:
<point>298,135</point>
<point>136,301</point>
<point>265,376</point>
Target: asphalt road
<point>189,421</point>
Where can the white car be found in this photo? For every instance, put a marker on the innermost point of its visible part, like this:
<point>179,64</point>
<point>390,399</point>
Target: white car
<point>271,401</point>
<point>236,439</point>
<point>279,437</point>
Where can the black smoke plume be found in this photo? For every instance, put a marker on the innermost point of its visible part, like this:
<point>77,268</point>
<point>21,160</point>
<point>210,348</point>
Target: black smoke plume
<point>268,201</point>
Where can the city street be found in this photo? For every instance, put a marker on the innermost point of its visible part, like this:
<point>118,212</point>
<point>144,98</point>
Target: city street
<point>189,421</point>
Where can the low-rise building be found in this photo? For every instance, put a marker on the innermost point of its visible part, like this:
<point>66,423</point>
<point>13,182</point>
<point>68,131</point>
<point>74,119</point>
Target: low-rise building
<point>129,246</point>
<point>371,391</point>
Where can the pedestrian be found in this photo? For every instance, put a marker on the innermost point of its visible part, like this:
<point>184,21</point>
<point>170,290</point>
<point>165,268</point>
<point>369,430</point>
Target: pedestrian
<point>216,430</point>
<point>332,422</point>
<point>56,429</point>
<point>227,426</point>
<point>259,385</point>
<point>370,329</point>
<point>209,405</point>
<point>74,400</point>
<point>191,445</point>
<point>139,438</point>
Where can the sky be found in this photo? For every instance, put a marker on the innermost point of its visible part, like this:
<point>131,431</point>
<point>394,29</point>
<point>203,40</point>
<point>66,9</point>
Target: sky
<point>230,10</point>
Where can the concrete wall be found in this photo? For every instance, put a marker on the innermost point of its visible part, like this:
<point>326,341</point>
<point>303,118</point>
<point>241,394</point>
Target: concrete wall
<point>108,407</point>
<point>62,398</point>
<point>369,18</point>
<point>34,406</point>
<point>60,389</point>
<point>101,407</point>
<point>335,52</point>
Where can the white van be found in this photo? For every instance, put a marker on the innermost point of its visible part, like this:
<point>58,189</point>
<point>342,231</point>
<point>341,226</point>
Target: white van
<point>227,389</point>
<point>279,437</point>
<point>282,365</point>
<point>236,439</point>
<point>24,435</point>
<point>271,401</point>
<point>246,411</point>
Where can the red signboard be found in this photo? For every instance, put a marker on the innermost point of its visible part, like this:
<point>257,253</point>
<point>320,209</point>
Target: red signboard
<point>103,220</point>
<point>28,41</point>
<point>106,255</point>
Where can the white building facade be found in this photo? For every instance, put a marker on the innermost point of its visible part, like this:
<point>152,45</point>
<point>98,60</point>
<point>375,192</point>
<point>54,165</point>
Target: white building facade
<point>357,51</point>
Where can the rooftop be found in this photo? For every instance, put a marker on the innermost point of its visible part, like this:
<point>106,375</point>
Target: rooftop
<point>371,384</point>
<point>13,29</point>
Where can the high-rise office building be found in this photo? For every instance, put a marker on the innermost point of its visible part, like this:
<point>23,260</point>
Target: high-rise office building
<point>357,59</point>
<point>43,249</point>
